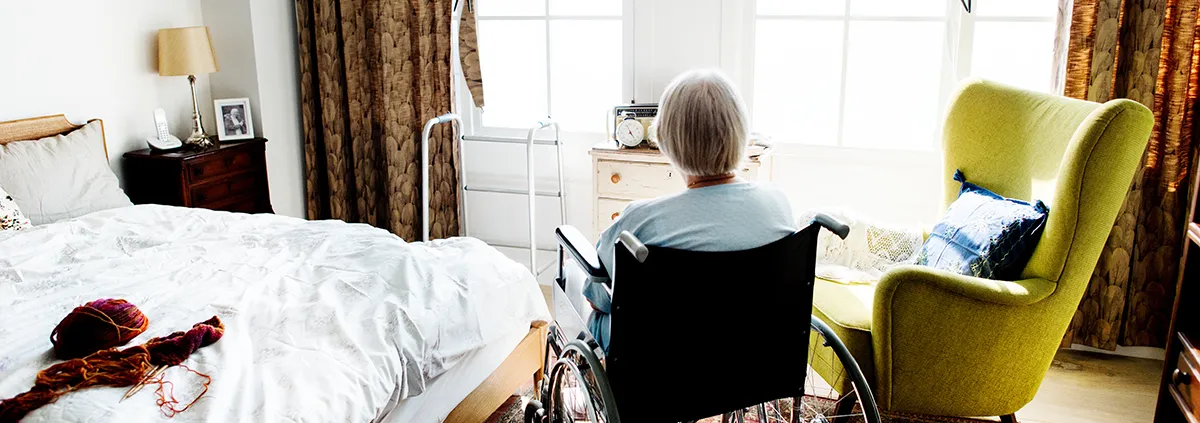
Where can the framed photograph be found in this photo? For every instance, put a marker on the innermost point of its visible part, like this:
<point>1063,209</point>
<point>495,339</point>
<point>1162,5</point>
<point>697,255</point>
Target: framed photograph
<point>233,119</point>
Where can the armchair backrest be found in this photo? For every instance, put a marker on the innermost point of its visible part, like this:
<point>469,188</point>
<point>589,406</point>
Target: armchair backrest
<point>1078,157</point>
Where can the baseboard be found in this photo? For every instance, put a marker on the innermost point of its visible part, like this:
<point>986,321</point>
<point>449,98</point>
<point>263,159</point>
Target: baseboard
<point>1152,353</point>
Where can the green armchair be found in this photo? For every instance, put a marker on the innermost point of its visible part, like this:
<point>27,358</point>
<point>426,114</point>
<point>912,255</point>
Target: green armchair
<point>940,343</point>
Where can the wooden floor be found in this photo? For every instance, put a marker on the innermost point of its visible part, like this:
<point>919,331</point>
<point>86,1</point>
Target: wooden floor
<point>1085,387</point>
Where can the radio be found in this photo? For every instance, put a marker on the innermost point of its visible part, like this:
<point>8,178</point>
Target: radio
<point>633,125</point>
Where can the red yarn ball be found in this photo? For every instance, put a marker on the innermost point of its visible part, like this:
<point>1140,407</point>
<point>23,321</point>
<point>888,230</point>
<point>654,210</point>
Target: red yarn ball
<point>95,326</point>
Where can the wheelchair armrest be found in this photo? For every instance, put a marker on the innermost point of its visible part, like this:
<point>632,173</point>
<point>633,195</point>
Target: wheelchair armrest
<point>584,253</point>
<point>833,225</point>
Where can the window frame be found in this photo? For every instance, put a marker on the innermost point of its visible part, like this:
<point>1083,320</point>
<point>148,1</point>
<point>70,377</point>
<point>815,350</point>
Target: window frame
<point>473,118</point>
<point>958,46</point>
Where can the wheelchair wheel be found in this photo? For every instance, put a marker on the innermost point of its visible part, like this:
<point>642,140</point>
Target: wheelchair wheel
<point>822,403</point>
<point>576,393</point>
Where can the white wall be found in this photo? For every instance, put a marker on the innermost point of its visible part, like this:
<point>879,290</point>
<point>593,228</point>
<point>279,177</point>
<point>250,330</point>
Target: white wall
<point>96,59</point>
<point>276,50</point>
<point>256,44</point>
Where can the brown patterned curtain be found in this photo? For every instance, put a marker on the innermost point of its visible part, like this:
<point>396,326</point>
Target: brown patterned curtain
<point>372,73</point>
<point>1144,50</point>
<point>468,51</point>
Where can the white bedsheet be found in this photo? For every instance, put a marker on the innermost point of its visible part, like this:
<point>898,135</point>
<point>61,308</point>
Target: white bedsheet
<point>325,321</point>
<point>444,392</point>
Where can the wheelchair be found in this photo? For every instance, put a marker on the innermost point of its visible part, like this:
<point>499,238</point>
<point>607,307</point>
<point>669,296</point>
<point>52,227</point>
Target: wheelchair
<point>737,343</point>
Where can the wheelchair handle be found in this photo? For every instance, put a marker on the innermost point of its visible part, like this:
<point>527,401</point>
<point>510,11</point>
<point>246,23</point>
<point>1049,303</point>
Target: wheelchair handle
<point>634,245</point>
<point>833,225</point>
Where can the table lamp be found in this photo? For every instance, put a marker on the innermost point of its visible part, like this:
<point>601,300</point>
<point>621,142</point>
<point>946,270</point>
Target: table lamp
<point>188,51</point>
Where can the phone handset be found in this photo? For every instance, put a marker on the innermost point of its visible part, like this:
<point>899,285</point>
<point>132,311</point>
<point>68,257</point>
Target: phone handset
<point>163,140</point>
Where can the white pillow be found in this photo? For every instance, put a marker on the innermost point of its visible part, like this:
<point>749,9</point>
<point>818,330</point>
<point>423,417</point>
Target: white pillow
<point>11,218</point>
<point>61,177</point>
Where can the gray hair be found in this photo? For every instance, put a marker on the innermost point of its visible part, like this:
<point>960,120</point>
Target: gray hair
<point>701,124</point>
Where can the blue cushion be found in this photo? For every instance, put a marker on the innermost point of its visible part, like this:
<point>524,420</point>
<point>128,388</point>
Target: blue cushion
<point>984,234</point>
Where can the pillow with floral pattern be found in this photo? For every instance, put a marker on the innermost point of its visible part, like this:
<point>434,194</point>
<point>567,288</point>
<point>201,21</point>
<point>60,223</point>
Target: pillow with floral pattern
<point>11,218</point>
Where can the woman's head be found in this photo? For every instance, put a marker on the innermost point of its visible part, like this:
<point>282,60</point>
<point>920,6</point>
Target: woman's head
<point>702,124</point>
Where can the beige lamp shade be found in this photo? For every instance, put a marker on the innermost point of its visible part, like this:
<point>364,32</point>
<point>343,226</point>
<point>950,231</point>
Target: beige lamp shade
<point>185,51</point>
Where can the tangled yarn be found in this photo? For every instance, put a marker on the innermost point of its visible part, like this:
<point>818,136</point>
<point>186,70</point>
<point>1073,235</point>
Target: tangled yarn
<point>111,367</point>
<point>95,326</point>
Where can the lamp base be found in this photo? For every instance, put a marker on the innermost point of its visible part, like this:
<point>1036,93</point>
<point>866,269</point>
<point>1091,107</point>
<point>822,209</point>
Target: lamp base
<point>200,141</point>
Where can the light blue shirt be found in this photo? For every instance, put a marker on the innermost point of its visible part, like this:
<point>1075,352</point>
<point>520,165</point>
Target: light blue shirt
<point>727,217</point>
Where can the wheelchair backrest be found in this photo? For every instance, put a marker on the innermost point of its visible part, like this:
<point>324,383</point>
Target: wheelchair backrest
<point>716,331</point>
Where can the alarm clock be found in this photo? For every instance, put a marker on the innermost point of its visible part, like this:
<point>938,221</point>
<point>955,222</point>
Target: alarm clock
<point>630,132</point>
<point>634,125</point>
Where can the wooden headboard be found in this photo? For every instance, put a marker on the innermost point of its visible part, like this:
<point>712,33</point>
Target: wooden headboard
<point>42,127</point>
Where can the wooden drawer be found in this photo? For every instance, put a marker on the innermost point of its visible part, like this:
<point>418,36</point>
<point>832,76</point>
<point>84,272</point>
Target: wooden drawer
<point>1185,383</point>
<point>245,205</point>
<point>219,165</point>
<point>217,191</point>
<point>648,180</point>
<point>636,180</point>
<point>749,172</point>
<point>608,211</point>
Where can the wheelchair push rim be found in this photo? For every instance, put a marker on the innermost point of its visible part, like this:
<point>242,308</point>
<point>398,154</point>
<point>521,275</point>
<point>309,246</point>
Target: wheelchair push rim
<point>819,404</point>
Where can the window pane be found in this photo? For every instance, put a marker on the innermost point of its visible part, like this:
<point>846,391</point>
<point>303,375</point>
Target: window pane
<point>797,80</point>
<point>585,72</point>
<point>510,7</point>
<point>513,60</point>
<point>1016,8</point>
<point>585,7</point>
<point>1015,53</point>
<point>892,82</point>
<point>907,8</point>
<point>802,7</point>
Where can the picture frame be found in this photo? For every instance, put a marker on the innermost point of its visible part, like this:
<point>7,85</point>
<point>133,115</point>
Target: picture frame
<point>233,119</point>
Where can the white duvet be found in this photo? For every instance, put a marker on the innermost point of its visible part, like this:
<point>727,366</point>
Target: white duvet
<point>324,321</point>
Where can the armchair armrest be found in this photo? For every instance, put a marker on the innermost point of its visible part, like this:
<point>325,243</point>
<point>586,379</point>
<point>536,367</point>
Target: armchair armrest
<point>583,252</point>
<point>1012,293</point>
<point>945,324</point>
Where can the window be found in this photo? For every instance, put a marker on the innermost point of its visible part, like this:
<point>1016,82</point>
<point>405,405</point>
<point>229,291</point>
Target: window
<point>877,73</point>
<point>562,58</point>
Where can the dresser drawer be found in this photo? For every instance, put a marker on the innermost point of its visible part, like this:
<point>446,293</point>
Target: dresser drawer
<point>218,165</point>
<point>748,172</point>
<point>636,180</point>
<point>1185,379</point>
<point>217,191</point>
<point>242,205</point>
<point>608,211</point>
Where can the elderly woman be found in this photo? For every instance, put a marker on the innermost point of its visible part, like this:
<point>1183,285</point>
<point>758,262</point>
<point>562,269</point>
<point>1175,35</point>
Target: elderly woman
<point>702,130</point>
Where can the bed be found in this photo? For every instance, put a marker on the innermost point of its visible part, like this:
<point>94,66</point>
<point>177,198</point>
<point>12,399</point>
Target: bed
<point>325,320</point>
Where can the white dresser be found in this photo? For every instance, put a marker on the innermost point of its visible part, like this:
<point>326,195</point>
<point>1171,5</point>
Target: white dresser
<point>622,175</point>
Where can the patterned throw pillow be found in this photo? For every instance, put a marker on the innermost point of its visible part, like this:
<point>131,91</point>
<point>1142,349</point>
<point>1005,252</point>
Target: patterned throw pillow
<point>11,218</point>
<point>984,235</point>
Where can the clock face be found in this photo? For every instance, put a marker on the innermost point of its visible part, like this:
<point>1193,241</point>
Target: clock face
<point>630,132</point>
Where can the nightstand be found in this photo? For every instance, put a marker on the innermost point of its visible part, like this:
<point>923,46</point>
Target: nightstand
<point>232,177</point>
<point>623,175</point>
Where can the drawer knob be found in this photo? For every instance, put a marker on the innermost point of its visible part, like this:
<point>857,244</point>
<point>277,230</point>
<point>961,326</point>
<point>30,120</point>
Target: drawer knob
<point>616,178</point>
<point>1180,377</point>
<point>615,215</point>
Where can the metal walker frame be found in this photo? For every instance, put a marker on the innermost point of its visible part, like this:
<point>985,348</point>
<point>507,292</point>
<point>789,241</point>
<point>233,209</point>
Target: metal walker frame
<point>530,192</point>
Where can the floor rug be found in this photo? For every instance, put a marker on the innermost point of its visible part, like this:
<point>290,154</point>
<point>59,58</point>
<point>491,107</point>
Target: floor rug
<point>513,411</point>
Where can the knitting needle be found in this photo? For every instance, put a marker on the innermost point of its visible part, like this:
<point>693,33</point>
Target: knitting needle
<point>138,387</point>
